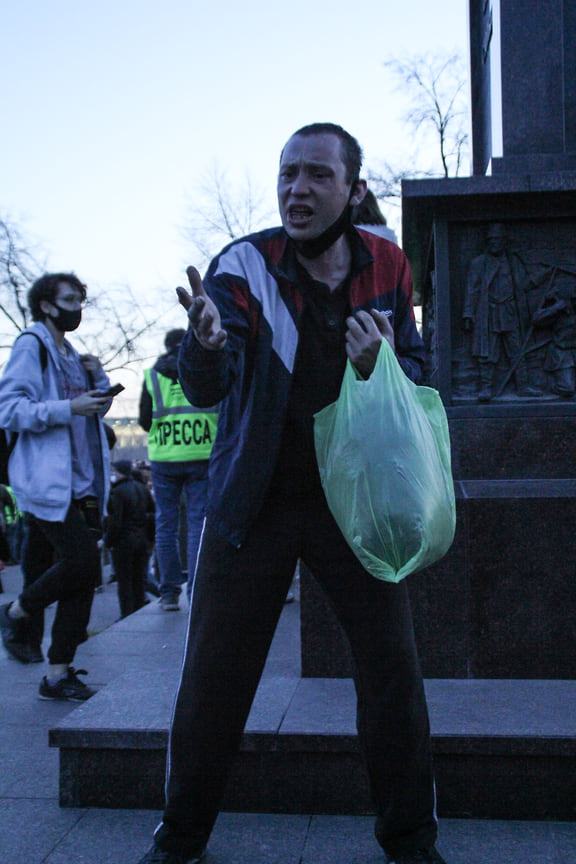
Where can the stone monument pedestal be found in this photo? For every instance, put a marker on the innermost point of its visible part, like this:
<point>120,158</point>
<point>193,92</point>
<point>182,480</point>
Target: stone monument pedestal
<point>501,603</point>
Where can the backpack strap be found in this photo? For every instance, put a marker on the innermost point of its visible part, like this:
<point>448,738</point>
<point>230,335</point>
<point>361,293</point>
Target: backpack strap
<point>43,349</point>
<point>5,447</point>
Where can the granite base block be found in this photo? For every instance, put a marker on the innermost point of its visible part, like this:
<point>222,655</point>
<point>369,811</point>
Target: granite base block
<point>330,780</point>
<point>499,786</point>
<point>502,749</point>
<point>500,604</point>
<point>129,778</point>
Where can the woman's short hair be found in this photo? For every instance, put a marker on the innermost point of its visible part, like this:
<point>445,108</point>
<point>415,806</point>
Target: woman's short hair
<point>46,288</point>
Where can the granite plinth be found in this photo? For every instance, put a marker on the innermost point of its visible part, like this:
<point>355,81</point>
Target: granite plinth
<point>514,442</point>
<point>500,604</point>
<point>522,603</point>
<point>503,749</point>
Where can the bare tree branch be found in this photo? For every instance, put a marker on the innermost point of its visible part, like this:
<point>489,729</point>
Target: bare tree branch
<point>115,335</point>
<point>18,269</point>
<point>436,111</point>
<point>116,324</point>
<point>222,211</point>
<point>435,88</point>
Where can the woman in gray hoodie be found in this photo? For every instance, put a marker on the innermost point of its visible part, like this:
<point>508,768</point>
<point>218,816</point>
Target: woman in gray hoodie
<point>51,403</point>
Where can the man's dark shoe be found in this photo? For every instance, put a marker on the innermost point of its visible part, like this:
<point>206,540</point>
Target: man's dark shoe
<point>422,856</point>
<point>155,855</point>
<point>170,603</point>
<point>69,689</point>
<point>15,636</point>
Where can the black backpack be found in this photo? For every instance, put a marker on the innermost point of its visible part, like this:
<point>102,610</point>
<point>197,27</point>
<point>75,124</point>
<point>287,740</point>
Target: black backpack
<point>5,447</point>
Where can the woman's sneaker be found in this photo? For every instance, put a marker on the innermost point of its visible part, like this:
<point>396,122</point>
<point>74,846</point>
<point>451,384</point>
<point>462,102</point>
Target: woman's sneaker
<point>70,688</point>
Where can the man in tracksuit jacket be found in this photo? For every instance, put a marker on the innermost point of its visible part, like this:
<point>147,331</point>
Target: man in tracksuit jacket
<point>270,332</point>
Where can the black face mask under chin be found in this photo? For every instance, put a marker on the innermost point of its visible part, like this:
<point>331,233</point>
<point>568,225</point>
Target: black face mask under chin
<point>317,245</point>
<point>67,319</point>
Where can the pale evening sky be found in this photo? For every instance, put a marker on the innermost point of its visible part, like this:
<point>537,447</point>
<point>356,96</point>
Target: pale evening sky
<point>114,112</point>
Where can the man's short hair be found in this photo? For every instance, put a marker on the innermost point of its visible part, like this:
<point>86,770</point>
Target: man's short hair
<point>123,466</point>
<point>351,150</point>
<point>46,288</point>
<point>173,338</point>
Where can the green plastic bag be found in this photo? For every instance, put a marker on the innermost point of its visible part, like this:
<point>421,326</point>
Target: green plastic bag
<point>383,450</point>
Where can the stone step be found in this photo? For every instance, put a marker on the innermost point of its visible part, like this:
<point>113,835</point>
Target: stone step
<point>503,748</point>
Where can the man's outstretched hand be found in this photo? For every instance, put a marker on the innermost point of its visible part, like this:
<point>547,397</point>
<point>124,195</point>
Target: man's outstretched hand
<point>202,312</point>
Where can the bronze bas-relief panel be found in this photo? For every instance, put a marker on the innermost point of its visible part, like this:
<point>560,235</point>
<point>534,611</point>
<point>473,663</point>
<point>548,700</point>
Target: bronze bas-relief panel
<point>513,310</point>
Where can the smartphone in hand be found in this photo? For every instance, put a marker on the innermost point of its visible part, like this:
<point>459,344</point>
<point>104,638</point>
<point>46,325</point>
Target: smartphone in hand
<point>112,391</point>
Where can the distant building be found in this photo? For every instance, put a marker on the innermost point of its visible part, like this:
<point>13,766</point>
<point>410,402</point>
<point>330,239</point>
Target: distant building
<point>131,439</point>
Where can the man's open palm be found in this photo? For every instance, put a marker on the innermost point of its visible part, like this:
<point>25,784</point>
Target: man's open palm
<point>202,312</point>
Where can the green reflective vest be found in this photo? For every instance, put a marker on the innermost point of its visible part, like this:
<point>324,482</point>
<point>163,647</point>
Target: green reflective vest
<point>11,512</point>
<point>179,432</point>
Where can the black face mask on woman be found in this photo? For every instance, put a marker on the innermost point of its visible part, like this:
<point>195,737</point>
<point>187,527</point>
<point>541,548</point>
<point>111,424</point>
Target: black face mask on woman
<point>67,319</point>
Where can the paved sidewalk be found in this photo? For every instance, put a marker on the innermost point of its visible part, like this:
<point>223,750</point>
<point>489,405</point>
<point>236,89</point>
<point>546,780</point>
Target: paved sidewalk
<point>35,830</point>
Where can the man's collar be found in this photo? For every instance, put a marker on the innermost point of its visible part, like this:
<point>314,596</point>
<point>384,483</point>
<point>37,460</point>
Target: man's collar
<point>360,257</point>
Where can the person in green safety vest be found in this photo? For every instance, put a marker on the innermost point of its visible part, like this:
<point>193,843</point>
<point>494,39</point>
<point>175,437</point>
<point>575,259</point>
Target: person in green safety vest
<point>12,531</point>
<point>180,439</point>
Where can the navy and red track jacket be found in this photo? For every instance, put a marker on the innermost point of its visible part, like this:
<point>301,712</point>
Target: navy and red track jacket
<point>253,283</point>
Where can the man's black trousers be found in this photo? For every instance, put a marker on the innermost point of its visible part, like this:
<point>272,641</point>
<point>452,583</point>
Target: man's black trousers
<point>237,599</point>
